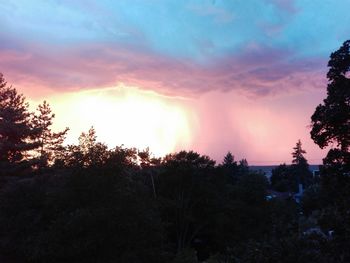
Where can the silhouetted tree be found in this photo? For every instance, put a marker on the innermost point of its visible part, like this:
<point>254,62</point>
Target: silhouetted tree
<point>88,153</point>
<point>229,160</point>
<point>331,120</point>
<point>94,153</point>
<point>286,178</point>
<point>331,127</point>
<point>50,143</point>
<point>243,167</point>
<point>17,133</point>
<point>300,166</point>
<point>281,178</point>
<point>229,168</point>
<point>298,154</point>
<point>149,167</point>
<point>185,195</point>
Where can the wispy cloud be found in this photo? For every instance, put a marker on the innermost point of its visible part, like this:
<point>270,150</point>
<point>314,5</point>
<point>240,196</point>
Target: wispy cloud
<point>285,5</point>
<point>220,15</point>
<point>255,69</point>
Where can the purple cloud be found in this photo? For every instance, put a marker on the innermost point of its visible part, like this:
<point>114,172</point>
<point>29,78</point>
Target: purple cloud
<point>255,69</point>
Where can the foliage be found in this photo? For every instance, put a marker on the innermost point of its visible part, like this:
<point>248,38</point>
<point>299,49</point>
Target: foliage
<point>80,218</point>
<point>287,178</point>
<point>50,143</point>
<point>17,133</point>
<point>186,256</point>
<point>331,120</point>
<point>185,195</point>
<point>330,127</point>
<point>281,179</point>
<point>300,167</point>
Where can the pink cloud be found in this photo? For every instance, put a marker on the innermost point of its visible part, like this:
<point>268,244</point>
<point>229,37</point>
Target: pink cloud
<point>254,70</point>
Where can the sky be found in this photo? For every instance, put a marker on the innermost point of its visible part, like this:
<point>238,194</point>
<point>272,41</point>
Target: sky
<point>210,76</point>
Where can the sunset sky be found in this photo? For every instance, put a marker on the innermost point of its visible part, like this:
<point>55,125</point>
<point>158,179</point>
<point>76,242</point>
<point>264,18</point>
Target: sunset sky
<point>210,76</point>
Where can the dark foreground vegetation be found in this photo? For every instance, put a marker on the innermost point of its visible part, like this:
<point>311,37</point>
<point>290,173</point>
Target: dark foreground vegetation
<point>89,203</point>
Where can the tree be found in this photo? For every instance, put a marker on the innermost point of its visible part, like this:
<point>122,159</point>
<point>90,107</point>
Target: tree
<point>229,168</point>
<point>17,132</point>
<point>229,160</point>
<point>286,178</point>
<point>330,125</point>
<point>243,167</point>
<point>95,154</point>
<point>331,120</point>
<point>87,140</point>
<point>89,152</point>
<point>298,154</point>
<point>281,179</point>
<point>147,164</point>
<point>186,194</point>
<point>300,166</point>
<point>50,143</point>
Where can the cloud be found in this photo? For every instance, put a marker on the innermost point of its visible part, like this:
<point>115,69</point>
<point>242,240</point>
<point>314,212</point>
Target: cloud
<point>220,15</point>
<point>285,5</point>
<point>256,70</point>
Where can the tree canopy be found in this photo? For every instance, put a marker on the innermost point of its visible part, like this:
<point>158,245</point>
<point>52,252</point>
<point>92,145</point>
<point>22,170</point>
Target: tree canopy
<point>50,143</point>
<point>331,119</point>
<point>17,132</point>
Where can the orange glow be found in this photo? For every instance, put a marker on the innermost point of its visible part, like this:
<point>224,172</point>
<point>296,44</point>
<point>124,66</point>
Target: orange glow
<point>124,115</point>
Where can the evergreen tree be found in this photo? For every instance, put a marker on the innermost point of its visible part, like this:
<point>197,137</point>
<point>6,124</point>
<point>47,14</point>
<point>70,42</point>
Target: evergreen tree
<point>229,167</point>
<point>229,160</point>
<point>243,167</point>
<point>300,167</point>
<point>17,132</point>
<point>50,143</point>
<point>298,155</point>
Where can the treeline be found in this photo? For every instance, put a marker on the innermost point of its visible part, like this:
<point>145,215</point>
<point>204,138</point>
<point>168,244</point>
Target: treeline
<point>89,203</point>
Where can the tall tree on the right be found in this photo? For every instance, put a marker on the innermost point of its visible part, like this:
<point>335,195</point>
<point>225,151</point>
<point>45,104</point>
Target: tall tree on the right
<point>331,127</point>
<point>331,120</point>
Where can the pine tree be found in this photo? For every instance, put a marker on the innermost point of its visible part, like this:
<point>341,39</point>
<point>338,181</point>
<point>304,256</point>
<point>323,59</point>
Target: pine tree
<point>298,154</point>
<point>229,160</point>
<point>229,167</point>
<point>17,133</point>
<point>50,143</point>
<point>300,166</point>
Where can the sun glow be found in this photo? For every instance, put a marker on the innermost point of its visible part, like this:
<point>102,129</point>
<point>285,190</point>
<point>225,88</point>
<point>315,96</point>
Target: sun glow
<point>125,116</point>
